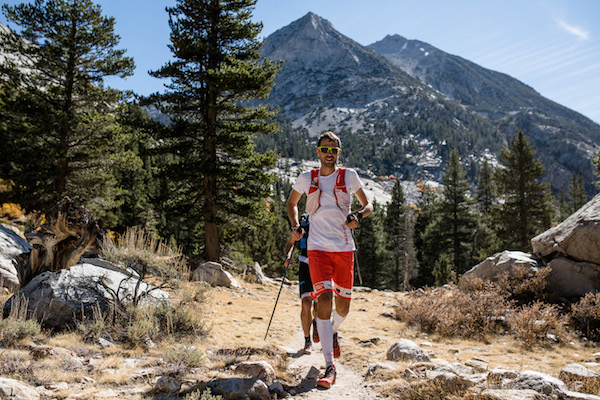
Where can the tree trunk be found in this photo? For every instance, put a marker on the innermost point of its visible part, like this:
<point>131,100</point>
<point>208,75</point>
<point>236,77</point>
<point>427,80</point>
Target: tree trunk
<point>60,242</point>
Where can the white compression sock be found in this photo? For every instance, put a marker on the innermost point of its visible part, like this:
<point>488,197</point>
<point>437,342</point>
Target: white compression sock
<point>326,335</point>
<point>336,320</point>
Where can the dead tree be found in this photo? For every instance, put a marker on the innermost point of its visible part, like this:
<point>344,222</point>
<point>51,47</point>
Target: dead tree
<point>58,243</point>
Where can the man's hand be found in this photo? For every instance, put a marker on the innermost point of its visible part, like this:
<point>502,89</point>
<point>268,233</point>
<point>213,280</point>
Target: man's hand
<point>353,219</point>
<point>297,234</point>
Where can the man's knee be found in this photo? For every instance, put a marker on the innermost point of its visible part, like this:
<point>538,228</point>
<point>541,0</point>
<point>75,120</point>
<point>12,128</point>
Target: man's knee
<point>306,302</point>
<point>342,306</point>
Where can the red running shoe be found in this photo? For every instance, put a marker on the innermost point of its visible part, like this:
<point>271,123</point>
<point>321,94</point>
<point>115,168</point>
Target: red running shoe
<point>315,335</point>
<point>336,346</point>
<point>329,378</point>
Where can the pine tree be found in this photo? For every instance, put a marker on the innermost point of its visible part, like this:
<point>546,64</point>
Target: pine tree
<point>456,225</point>
<point>442,270</point>
<point>396,234</point>
<point>62,132</point>
<point>427,250</point>
<point>486,193</point>
<point>576,194</point>
<point>527,208</point>
<point>215,75</point>
<point>371,253</point>
<point>596,161</point>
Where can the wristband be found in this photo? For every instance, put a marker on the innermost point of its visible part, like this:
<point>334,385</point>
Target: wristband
<point>359,215</point>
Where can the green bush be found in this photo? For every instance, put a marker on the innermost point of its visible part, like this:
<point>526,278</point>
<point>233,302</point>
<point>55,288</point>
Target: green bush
<point>12,330</point>
<point>18,325</point>
<point>187,355</point>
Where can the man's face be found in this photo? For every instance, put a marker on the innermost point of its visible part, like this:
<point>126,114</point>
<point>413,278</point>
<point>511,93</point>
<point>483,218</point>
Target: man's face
<point>327,159</point>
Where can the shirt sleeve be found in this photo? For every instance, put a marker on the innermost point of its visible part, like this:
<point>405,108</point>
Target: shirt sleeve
<point>302,183</point>
<point>353,182</point>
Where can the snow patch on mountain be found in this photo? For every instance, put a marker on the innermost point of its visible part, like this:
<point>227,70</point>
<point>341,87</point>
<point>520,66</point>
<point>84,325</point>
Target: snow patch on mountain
<point>377,188</point>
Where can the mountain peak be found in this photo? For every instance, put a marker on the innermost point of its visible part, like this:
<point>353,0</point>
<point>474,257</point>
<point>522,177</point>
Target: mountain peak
<point>312,20</point>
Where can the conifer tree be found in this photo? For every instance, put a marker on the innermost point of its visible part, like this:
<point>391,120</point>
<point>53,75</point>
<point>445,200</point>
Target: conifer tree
<point>214,77</point>
<point>564,209</point>
<point>576,193</point>
<point>456,225</point>
<point>442,270</point>
<point>486,193</point>
<point>452,227</point>
<point>427,250</point>
<point>596,161</point>
<point>62,134</point>
<point>396,234</point>
<point>527,209</point>
<point>371,252</point>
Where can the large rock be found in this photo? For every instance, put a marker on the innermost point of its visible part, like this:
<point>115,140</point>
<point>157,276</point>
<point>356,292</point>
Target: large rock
<point>577,237</point>
<point>572,279</point>
<point>539,382</point>
<point>11,245</point>
<point>579,373</point>
<point>257,369</point>
<point>57,299</point>
<point>240,388</point>
<point>213,274</point>
<point>406,350</point>
<point>499,263</point>
<point>11,389</point>
<point>260,276</point>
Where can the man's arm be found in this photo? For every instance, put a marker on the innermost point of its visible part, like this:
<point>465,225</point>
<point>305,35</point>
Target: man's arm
<point>367,208</point>
<point>292,210</point>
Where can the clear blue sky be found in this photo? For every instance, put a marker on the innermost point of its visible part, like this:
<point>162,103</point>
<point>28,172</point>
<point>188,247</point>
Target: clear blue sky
<point>550,45</point>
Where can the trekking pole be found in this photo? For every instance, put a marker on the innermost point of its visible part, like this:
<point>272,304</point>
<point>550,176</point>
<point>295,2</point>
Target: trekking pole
<point>348,220</point>
<point>288,257</point>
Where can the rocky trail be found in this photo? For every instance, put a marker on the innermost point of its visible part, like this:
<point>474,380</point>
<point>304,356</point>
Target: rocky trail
<point>307,368</point>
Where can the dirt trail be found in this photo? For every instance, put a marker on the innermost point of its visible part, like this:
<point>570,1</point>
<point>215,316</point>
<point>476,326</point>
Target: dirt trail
<point>348,385</point>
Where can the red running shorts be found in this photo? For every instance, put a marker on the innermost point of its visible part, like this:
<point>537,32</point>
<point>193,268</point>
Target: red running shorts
<point>331,272</point>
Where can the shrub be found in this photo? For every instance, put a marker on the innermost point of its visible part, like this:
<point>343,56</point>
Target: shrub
<point>18,325</point>
<point>187,355</point>
<point>14,365</point>
<point>538,322</point>
<point>585,316</point>
<point>205,395</point>
<point>11,211</point>
<point>455,313</point>
<point>148,255</point>
<point>135,325</point>
<point>524,284</point>
<point>482,311</point>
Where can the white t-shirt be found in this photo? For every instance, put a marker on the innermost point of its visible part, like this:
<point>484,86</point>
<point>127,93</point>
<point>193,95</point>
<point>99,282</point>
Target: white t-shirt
<point>328,229</point>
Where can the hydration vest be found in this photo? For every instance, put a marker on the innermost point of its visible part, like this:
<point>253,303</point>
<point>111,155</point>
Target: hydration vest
<point>342,197</point>
<point>303,257</point>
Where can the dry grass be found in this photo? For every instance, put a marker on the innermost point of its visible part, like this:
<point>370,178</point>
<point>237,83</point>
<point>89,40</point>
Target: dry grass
<point>147,254</point>
<point>18,326</point>
<point>483,310</point>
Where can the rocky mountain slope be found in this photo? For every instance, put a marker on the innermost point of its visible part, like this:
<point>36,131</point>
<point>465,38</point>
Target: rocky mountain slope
<point>418,101</point>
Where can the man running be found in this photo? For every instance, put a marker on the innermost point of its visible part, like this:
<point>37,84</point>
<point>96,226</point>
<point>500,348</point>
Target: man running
<point>305,283</point>
<point>330,244</point>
